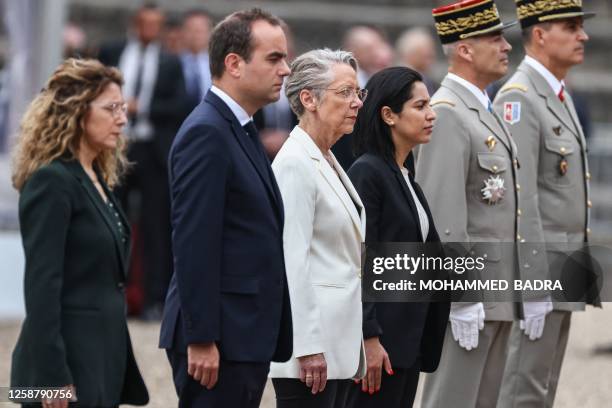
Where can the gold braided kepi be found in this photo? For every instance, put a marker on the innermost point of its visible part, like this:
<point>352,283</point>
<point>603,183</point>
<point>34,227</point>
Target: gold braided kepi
<point>468,18</point>
<point>532,12</point>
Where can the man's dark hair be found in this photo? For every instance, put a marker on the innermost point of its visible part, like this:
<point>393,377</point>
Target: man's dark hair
<point>390,87</point>
<point>527,33</point>
<point>233,35</point>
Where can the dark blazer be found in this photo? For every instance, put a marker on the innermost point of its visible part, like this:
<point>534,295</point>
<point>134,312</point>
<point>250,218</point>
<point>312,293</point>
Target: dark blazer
<point>169,102</point>
<point>406,330</point>
<point>75,331</point>
<point>229,284</point>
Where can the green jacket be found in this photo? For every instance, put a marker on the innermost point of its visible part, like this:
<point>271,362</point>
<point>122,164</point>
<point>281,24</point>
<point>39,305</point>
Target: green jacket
<point>76,250</point>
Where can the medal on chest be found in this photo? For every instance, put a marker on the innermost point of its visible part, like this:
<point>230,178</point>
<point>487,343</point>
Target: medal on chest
<point>493,190</point>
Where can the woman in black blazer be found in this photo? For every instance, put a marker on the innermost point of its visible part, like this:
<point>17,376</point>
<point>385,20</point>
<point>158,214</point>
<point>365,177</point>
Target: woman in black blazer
<point>76,242</point>
<point>401,339</point>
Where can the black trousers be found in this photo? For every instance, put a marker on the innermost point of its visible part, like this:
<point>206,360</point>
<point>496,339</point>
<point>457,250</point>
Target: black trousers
<point>396,391</point>
<point>293,393</point>
<point>146,198</point>
<point>240,385</point>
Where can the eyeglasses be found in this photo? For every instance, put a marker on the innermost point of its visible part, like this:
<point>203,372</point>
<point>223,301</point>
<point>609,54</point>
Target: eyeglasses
<point>114,108</point>
<point>349,93</point>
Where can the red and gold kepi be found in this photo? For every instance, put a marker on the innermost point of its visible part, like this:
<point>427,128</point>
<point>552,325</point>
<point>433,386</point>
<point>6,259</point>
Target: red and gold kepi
<point>468,18</point>
<point>532,12</point>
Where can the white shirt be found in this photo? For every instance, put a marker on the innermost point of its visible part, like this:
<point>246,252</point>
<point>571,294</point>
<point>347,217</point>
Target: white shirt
<point>479,94</point>
<point>236,109</point>
<point>423,220</point>
<point>552,80</point>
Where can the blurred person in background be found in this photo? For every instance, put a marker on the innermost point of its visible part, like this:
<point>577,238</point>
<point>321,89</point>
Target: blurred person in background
<point>373,52</point>
<point>324,229</point>
<point>416,48</point>
<point>172,36</point>
<point>76,239</point>
<point>276,120</point>
<point>75,42</point>
<point>371,48</point>
<point>196,29</point>
<point>155,93</point>
<point>401,339</point>
<point>4,105</point>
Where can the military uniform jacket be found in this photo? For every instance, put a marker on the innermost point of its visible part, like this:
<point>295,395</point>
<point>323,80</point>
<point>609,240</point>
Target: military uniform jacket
<point>470,154</point>
<point>554,170</point>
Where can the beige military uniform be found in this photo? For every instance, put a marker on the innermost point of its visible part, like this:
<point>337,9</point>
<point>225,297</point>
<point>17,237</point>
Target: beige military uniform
<point>555,204</point>
<point>471,153</point>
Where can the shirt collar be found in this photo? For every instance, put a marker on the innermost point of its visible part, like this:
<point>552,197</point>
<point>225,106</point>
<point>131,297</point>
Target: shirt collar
<point>552,80</point>
<point>236,109</point>
<point>200,56</point>
<point>480,95</point>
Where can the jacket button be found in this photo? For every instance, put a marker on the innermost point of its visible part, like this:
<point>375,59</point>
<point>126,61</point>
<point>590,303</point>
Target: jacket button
<point>120,285</point>
<point>589,203</point>
<point>588,175</point>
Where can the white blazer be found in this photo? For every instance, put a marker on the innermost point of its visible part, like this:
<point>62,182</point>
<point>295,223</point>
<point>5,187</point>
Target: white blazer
<point>322,242</point>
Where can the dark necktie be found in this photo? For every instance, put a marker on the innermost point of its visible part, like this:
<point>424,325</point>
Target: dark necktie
<point>253,133</point>
<point>139,72</point>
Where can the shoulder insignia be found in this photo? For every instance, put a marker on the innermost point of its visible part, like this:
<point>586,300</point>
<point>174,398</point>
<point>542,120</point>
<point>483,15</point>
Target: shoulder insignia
<point>510,87</point>
<point>439,101</point>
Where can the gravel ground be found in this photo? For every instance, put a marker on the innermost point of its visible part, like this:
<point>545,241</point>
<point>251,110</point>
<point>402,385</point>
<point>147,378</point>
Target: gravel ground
<point>585,382</point>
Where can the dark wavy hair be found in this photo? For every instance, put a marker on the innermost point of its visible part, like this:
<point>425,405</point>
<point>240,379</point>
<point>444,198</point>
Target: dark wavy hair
<point>390,87</point>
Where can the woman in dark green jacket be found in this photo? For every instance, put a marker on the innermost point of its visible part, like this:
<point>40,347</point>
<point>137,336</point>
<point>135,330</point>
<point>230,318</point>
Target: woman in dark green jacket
<point>70,153</point>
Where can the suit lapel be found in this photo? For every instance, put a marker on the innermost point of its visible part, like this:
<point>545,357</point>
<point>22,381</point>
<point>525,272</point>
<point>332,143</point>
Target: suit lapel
<point>334,180</point>
<point>96,199</point>
<point>554,105</point>
<point>486,117</point>
<point>252,151</point>
<point>360,221</point>
<point>569,104</point>
<point>399,177</point>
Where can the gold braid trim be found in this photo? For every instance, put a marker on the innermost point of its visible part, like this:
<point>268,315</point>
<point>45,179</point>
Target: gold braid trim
<point>514,86</point>
<point>465,23</point>
<point>439,101</point>
<point>542,6</point>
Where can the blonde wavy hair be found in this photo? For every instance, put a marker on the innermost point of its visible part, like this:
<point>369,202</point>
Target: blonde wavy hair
<point>54,123</point>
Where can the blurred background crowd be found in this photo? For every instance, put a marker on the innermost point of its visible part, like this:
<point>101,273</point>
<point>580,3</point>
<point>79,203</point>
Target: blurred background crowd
<point>170,39</point>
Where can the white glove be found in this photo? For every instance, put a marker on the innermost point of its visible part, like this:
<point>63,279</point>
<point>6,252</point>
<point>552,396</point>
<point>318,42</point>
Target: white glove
<point>466,319</point>
<point>535,317</point>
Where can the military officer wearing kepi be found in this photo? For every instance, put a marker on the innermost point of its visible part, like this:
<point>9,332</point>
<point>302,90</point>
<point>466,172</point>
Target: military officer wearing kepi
<point>554,176</point>
<point>468,174</point>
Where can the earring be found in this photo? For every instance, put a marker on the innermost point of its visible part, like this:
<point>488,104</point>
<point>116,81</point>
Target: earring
<point>391,123</point>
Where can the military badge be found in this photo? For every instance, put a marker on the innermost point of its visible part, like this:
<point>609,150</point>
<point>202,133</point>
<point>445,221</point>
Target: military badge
<point>558,130</point>
<point>563,166</point>
<point>493,190</point>
<point>512,112</point>
<point>491,142</point>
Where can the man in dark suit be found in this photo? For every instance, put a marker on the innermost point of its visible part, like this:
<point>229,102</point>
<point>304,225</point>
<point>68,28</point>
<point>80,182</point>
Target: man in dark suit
<point>227,312</point>
<point>154,89</point>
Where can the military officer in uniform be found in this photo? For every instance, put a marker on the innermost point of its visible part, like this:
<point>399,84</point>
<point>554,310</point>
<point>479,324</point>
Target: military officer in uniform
<point>554,176</point>
<point>468,174</point>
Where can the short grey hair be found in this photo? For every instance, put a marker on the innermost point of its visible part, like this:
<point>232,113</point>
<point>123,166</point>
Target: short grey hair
<point>312,70</point>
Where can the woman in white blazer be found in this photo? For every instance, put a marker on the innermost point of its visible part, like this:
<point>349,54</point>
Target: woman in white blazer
<point>324,229</point>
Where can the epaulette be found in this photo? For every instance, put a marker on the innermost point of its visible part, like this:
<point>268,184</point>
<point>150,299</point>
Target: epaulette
<point>439,101</point>
<point>509,87</point>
